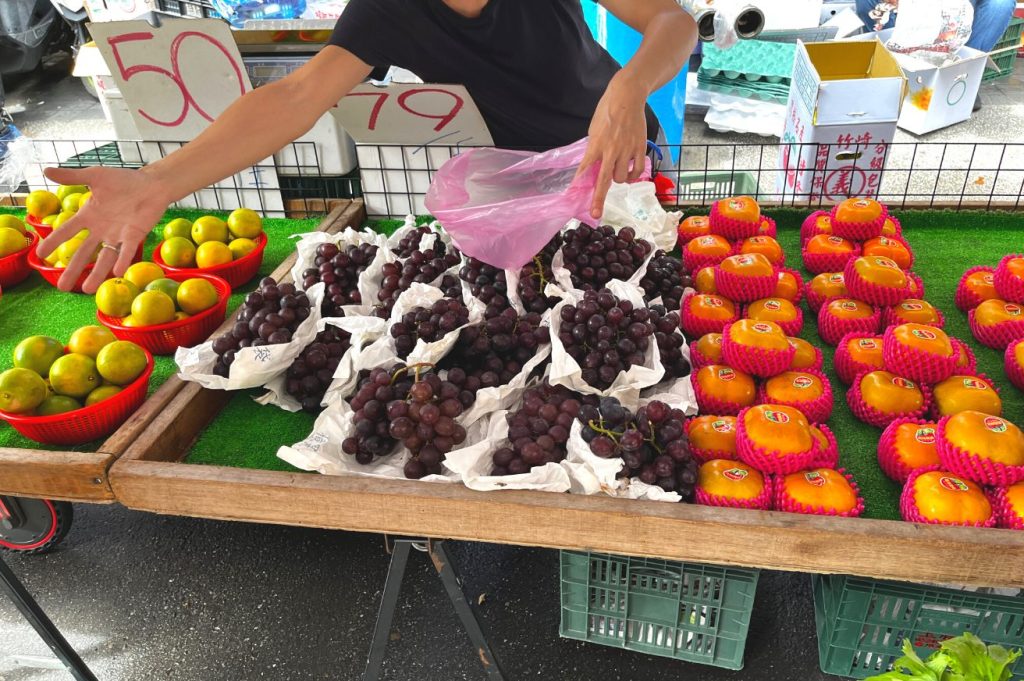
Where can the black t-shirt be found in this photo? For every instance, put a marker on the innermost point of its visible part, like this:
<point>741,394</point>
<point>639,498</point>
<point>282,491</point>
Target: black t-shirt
<point>532,66</point>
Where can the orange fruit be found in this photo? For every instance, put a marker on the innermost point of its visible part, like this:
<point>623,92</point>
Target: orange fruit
<point>713,433</point>
<point>178,252</point>
<point>914,288</point>
<point>788,286</point>
<point>748,265</point>
<point>880,271</point>
<point>74,375</point>
<point>994,311</point>
<point>819,436</point>
<point>114,297</point>
<point>121,362</point>
<point>981,284</point>
<point>891,394</point>
<point>916,311</point>
<point>89,340</point>
<point>889,248</point>
<point>821,487</point>
<point>37,353</point>
<point>152,307</point>
<point>716,308</point>
<point>245,223</point>
<point>740,208</point>
<point>751,333</point>
<point>794,386</point>
<point>848,308</point>
<point>889,228</point>
<point>1018,353</point>
<point>960,393</point>
<point>945,497</point>
<point>693,227</point>
<point>805,356</point>
<point>711,245</point>
<point>21,390</point>
<point>12,241</point>
<point>12,222</point>
<point>1015,497</point>
<point>828,243</point>
<point>772,310</point>
<point>710,346</point>
<point>730,479</point>
<point>829,285</point>
<point>1015,267</point>
<point>858,210</point>
<point>823,223</point>
<point>196,295</point>
<point>765,229</point>
<point>867,351</point>
<point>727,384</point>
<point>989,437</point>
<point>241,247</point>
<point>778,428</point>
<point>914,445</point>
<point>143,273</point>
<point>57,404</point>
<point>209,228</point>
<point>763,245</point>
<point>178,227</point>
<point>41,203</point>
<point>104,392</point>
<point>924,338</point>
<point>213,253</point>
<point>704,282</point>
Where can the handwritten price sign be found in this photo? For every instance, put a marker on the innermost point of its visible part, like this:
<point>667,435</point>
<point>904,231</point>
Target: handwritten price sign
<point>175,79</point>
<point>412,113</point>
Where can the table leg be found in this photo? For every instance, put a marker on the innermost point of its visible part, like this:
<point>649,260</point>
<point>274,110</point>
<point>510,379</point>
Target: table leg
<point>35,616</point>
<point>388,603</point>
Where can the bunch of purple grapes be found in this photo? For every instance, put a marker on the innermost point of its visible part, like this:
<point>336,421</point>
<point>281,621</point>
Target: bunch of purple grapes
<point>495,350</point>
<point>410,243</point>
<point>596,255</point>
<point>665,277</point>
<point>428,324</point>
<point>534,276</point>
<point>269,316</point>
<point>309,376</point>
<point>422,267</point>
<point>339,270</point>
<point>538,431</point>
<point>669,338</point>
<point>605,335</point>
<point>411,405</point>
<point>652,443</point>
<point>487,283</point>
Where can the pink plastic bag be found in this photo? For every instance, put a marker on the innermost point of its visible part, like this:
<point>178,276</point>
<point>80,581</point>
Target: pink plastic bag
<point>504,206</point>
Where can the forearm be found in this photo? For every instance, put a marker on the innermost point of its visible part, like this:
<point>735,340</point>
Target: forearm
<point>254,127</point>
<point>668,40</point>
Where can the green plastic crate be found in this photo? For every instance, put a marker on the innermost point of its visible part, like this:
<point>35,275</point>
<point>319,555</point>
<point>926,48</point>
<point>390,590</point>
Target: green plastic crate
<point>686,611</point>
<point>1011,38</point>
<point>700,187</point>
<point>1005,61</point>
<point>862,623</point>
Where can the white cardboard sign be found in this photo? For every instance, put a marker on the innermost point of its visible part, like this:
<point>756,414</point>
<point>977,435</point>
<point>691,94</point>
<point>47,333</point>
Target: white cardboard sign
<point>176,78</point>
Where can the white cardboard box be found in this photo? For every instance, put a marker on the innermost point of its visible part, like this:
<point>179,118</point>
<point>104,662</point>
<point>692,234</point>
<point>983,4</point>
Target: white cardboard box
<point>842,111</point>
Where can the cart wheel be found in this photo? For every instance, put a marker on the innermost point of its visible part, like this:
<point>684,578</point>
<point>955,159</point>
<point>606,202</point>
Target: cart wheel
<point>33,525</point>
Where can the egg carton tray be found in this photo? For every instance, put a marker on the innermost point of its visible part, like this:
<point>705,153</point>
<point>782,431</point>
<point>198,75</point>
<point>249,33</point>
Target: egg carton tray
<point>751,61</point>
<point>742,89</point>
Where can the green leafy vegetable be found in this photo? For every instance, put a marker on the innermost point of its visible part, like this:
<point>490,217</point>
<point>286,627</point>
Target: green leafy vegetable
<point>964,658</point>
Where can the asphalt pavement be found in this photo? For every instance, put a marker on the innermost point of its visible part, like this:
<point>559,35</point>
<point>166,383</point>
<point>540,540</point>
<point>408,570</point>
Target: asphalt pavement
<point>142,596</point>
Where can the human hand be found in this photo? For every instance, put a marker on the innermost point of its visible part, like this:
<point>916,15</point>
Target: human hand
<point>124,206</point>
<point>618,138</point>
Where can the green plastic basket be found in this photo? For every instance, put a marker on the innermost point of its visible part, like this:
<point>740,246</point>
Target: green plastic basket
<point>699,187</point>
<point>1005,61</point>
<point>686,611</point>
<point>1011,38</point>
<point>862,623</point>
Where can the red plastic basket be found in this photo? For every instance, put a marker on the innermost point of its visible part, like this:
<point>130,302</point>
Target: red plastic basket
<point>236,272</point>
<point>52,274</point>
<point>88,423</point>
<point>15,267</point>
<point>42,229</point>
<point>164,339</point>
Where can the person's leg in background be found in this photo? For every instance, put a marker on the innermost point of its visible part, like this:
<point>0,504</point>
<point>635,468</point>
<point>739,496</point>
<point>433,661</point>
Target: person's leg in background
<point>876,15</point>
<point>991,17</point>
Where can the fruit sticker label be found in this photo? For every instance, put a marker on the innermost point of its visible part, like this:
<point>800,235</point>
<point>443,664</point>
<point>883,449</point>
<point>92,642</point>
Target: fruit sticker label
<point>923,334</point>
<point>885,262</point>
<point>1012,309</point>
<point>954,484</point>
<point>848,305</point>
<point>885,241</point>
<point>744,260</point>
<point>995,424</point>
<point>912,307</point>
<point>726,374</point>
<point>836,240</point>
<point>735,474</point>
<point>772,305</point>
<point>988,278</point>
<point>837,278</point>
<point>776,416</point>
<point>737,204</point>
<point>699,221</point>
<point>814,478</point>
<point>803,382</point>
<point>903,383</point>
<point>757,240</point>
<point>868,343</point>
<point>975,384</point>
<point>925,436</point>
<point>722,426</point>
<point>761,327</point>
<point>711,301</point>
<point>708,241</point>
<point>862,203</point>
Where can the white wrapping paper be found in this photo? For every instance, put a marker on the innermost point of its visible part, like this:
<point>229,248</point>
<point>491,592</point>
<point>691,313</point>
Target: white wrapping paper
<point>473,464</point>
<point>253,367</point>
<point>636,205</point>
<point>563,278</point>
<point>627,385</point>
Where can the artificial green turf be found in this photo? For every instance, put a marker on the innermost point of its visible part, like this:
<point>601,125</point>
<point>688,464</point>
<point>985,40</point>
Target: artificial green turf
<point>36,308</point>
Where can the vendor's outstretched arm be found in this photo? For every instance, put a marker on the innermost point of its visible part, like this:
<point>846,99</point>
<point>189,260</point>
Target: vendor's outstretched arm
<point>125,204</point>
<point>618,131</point>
